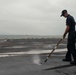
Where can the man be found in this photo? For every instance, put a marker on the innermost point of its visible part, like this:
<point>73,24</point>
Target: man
<point>70,29</point>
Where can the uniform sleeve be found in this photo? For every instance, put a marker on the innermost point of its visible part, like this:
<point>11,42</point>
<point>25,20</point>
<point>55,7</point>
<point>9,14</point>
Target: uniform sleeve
<point>68,22</point>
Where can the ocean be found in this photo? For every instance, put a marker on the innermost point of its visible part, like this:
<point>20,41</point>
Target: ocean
<point>28,36</point>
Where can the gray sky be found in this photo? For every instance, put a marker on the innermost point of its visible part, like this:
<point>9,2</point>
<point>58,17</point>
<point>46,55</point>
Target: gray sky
<point>34,17</point>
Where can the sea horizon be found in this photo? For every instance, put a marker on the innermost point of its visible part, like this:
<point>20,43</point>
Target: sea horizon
<point>29,36</point>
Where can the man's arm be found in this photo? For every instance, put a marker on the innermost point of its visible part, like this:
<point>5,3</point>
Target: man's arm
<point>66,31</point>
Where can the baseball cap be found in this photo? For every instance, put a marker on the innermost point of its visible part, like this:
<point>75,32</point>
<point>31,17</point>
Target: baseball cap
<point>63,12</point>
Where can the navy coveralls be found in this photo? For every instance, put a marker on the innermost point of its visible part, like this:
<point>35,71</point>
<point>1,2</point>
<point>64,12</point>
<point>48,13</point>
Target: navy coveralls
<point>71,38</point>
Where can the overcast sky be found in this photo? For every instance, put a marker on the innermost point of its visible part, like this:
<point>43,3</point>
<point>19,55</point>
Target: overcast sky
<point>34,17</point>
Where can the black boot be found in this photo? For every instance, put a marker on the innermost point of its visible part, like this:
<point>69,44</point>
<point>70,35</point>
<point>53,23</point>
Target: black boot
<point>66,60</point>
<point>73,63</point>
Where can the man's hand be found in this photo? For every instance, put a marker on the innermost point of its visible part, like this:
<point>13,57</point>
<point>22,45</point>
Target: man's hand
<point>66,31</point>
<point>64,36</point>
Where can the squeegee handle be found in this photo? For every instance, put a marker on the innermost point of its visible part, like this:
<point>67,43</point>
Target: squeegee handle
<point>55,47</point>
<point>59,42</point>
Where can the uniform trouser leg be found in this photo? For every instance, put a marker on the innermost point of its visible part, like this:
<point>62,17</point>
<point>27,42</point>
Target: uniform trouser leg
<point>71,49</point>
<point>68,55</point>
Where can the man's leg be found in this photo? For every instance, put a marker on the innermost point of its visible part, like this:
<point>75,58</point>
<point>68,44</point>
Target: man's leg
<point>73,51</point>
<point>68,54</point>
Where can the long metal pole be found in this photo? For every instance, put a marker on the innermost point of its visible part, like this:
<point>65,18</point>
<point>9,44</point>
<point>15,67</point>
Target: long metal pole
<point>53,50</point>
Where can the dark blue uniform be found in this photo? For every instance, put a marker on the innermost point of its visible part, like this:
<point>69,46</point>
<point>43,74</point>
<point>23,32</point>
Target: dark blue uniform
<point>71,38</point>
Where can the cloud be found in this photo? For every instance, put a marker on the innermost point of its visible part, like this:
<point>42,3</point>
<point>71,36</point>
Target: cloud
<point>35,17</point>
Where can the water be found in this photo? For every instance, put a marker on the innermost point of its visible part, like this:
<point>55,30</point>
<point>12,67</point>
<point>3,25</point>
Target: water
<point>28,36</point>
<point>36,59</point>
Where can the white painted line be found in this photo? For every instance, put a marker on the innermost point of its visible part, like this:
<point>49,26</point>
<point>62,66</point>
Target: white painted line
<point>6,55</point>
<point>30,52</point>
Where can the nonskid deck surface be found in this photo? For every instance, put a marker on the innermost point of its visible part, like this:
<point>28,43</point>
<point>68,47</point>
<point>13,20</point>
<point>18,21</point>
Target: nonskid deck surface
<point>27,63</point>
